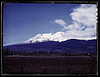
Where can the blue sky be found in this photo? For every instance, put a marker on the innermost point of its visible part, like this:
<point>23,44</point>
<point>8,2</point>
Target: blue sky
<point>21,21</point>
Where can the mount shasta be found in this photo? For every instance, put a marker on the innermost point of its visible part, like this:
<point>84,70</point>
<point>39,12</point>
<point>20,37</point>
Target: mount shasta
<point>71,45</point>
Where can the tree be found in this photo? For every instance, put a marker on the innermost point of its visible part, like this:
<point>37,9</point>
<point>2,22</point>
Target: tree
<point>7,52</point>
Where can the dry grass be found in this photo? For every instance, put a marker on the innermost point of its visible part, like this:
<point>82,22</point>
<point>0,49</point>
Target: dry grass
<point>50,64</point>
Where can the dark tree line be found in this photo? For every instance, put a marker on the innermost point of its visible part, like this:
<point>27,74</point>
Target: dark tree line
<point>45,53</point>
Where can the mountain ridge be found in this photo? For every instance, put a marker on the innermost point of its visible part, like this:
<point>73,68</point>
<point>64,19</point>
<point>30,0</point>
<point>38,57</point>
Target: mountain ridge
<point>72,45</point>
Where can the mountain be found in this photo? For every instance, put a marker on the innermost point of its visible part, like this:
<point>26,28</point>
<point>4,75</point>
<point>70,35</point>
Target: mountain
<point>47,37</point>
<point>72,45</point>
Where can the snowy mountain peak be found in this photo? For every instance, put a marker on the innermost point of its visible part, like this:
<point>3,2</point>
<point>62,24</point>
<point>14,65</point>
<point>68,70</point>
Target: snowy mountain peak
<point>58,36</point>
<point>47,37</point>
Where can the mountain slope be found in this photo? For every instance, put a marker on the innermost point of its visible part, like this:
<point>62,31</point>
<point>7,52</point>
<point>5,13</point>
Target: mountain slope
<point>72,45</point>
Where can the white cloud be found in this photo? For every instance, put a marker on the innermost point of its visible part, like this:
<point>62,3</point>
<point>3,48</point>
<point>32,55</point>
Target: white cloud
<point>73,26</point>
<point>60,21</point>
<point>84,18</point>
<point>83,26</point>
<point>84,23</point>
<point>85,14</point>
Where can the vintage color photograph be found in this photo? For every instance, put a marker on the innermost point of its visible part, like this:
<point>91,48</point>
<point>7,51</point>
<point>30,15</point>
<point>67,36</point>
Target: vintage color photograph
<point>49,38</point>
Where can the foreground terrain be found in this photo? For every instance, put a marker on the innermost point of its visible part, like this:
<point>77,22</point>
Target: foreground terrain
<point>49,64</point>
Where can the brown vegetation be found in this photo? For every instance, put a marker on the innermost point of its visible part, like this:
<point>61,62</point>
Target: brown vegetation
<point>50,64</point>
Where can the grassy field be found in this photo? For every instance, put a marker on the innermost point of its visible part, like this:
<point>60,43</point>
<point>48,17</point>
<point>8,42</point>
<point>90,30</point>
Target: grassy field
<point>49,65</point>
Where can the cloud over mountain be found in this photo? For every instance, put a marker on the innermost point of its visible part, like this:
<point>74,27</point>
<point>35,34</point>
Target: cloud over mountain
<point>85,14</point>
<point>60,22</point>
<point>83,26</point>
<point>84,22</point>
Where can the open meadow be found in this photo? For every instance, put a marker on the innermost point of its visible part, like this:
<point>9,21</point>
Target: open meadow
<point>49,65</point>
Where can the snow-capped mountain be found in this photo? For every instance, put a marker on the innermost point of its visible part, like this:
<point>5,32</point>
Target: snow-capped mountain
<point>47,37</point>
<point>58,36</point>
<point>57,42</point>
<point>72,45</point>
